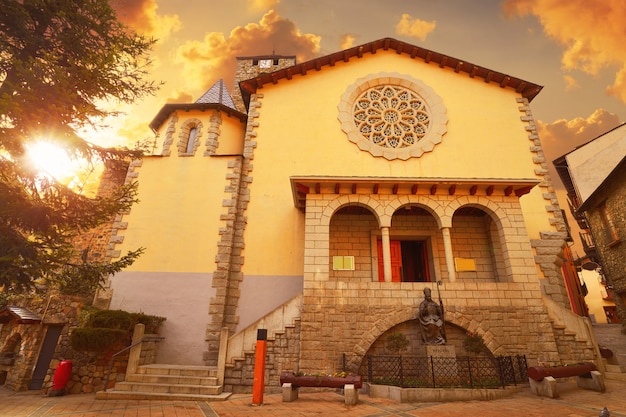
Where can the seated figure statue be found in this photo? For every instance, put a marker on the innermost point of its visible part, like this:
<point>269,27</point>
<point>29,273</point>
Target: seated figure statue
<point>431,321</point>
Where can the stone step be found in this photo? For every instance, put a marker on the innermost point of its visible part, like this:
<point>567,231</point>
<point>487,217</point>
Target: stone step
<point>615,376</point>
<point>614,368</point>
<point>178,370</point>
<point>168,388</point>
<point>172,379</point>
<point>168,382</point>
<point>113,394</point>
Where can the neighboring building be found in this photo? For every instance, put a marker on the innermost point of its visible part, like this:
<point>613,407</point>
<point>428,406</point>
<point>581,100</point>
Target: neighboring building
<point>594,175</point>
<point>599,302</point>
<point>350,183</point>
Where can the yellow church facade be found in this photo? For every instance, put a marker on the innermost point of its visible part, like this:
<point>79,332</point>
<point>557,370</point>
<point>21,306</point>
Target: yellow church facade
<point>321,201</point>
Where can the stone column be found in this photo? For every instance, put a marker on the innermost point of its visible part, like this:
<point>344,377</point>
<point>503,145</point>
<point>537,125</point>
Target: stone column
<point>447,247</point>
<point>386,253</point>
<point>135,352</point>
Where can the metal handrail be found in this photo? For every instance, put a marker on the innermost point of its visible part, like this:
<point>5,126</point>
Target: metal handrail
<point>143,339</point>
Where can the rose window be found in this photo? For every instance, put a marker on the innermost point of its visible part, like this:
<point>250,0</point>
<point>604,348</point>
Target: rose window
<point>391,116</point>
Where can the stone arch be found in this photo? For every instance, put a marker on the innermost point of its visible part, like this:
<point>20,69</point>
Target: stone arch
<point>12,343</point>
<point>377,328</point>
<point>12,346</point>
<point>471,325</point>
<point>434,207</point>
<point>367,202</point>
<point>503,230</point>
<point>183,136</point>
<point>497,213</point>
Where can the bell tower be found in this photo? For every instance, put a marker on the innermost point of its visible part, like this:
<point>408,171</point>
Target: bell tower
<point>251,66</point>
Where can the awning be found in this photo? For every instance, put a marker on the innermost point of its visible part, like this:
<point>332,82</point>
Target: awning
<point>20,314</point>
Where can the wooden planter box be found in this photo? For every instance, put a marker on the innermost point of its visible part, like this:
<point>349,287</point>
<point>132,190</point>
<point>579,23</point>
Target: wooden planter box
<point>321,381</point>
<point>538,373</point>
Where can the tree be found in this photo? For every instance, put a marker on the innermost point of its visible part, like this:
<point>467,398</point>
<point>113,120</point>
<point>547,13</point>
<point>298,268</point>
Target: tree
<point>61,62</point>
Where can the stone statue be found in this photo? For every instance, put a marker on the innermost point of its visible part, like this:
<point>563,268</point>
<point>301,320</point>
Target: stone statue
<point>431,321</point>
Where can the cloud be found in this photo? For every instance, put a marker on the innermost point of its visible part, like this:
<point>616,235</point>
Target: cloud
<point>346,41</point>
<point>592,34</point>
<point>415,28</point>
<point>214,57</point>
<point>570,83</point>
<point>261,5</point>
<point>180,97</point>
<point>142,16</point>
<point>563,136</point>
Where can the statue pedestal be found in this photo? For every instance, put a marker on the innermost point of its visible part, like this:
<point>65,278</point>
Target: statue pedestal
<point>442,360</point>
<point>440,351</point>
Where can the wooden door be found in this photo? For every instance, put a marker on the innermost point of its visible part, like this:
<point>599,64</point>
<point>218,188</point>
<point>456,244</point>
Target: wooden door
<point>45,356</point>
<point>396,261</point>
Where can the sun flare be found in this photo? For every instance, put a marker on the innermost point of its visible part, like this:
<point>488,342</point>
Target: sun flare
<point>52,160</point>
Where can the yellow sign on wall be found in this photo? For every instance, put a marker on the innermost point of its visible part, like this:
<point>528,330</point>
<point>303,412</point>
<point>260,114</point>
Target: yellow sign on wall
<point>465,264</point>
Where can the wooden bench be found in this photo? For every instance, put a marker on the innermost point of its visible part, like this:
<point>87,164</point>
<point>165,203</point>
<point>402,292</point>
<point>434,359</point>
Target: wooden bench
<point>543,379</point>
<point>290,383</point>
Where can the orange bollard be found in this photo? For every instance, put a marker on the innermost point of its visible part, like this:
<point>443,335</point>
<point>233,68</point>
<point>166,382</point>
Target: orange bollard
<point>259,367</point>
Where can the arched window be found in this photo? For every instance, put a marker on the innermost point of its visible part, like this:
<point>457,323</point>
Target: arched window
<point>191,140</point>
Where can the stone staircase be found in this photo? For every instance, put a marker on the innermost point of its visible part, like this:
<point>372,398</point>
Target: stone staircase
<point>168,382</point>
<point>614,372</point>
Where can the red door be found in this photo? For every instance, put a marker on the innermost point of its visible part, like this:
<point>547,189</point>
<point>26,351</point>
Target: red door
<point>396,261</point>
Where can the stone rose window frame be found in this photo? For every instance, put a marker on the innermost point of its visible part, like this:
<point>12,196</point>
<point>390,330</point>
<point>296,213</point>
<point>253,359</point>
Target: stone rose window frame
<point>413,103</point>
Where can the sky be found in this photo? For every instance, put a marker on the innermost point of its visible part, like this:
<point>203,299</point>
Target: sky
<point>574,48</point>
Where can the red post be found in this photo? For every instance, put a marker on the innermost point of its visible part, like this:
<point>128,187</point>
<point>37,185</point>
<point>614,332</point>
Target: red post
<point>259,367</point>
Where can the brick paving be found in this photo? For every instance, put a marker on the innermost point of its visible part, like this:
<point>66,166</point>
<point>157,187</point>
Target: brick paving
<point>573,402</point>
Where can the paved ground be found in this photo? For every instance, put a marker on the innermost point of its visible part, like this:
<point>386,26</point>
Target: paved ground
<point>573,402</point>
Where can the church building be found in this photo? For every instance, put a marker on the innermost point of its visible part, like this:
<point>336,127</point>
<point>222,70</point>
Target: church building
<point>318,200</point>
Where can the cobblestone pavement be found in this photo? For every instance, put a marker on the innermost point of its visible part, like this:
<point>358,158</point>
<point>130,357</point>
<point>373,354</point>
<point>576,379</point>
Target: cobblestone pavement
<point>573,402</point>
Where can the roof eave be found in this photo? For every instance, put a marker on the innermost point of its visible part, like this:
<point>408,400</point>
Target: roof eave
<point>167,110</point>
<point>303,185</point>
<point>526,89</point>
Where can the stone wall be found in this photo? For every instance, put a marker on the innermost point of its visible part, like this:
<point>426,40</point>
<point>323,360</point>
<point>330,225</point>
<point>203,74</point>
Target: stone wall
<point>89,369</point>
<point>610,249</point>
<point>248,67</point>
<point>283,354</point>
<point>55,310</point>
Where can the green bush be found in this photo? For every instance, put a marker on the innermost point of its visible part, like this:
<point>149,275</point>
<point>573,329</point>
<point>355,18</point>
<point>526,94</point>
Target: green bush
<point>98,339</point>
<point>111,319</point>
<point>397,343</point>
<point>152,323</point>
<point>4,299</point>
<point>103,329</point>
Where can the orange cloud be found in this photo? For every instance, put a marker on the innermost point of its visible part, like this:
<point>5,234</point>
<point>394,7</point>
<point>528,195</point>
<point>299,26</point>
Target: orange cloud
<point>570,83</point>
<point>346,41</point>
<point>261,5</point>
<point>592,34</point>
<point>415,28</point>
<point>142,16</point>
<point>214,57</point>
<point>563,136</point>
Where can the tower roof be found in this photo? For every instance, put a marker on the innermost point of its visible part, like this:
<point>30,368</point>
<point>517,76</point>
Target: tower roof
<point>216,97</point>
<point>217,94</point>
